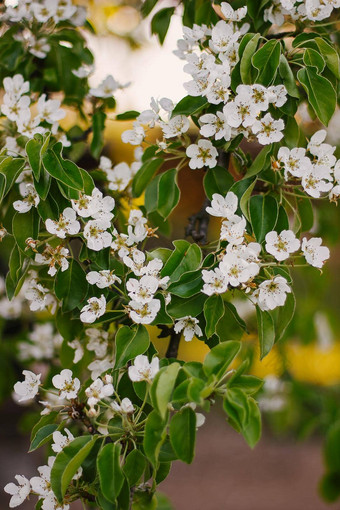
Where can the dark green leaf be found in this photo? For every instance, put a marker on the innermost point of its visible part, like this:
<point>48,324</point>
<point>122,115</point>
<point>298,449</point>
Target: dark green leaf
<point>130,342</point>
<point>266,331</point>
<point>323,104</point>
<point>71,285</point>
<point>213,311</point>
<point>219,358</point>
<point>111,477</point>
<point>162,388</point>
<point>155,434</point>
<point>98,124</point>
<point>135,464</point>
<point>144,175</point>
<point>42,436</point>
<point>161,21</point>
<point>263,211</point>
<point>267,60</point>
<point>217,180</point>
<point>190,105</point>
<point>245,66</point>
<point>183,434</point>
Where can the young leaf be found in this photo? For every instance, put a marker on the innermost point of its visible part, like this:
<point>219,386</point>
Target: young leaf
<point>67,463</point>
<point>252,430</point>
<point>111,477</point>
<point>183,434</point>
<point>263,210</point>
<point>213,311</point>
<point>219,358</point>
<point>71,285</point>
<point>162,388</point>
<point>155,434</point>
<point>42,436</point>
<point>267,60</point>
<point>266,331</point>
<point>130,342</point>
<point>135,464</point>
<point>161,21</point>
<point>144,175</point>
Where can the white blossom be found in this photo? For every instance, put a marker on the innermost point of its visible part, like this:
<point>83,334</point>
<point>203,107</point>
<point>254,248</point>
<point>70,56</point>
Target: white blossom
<point>272,293</point>
<point>119,177</point>
<point>125,407</point>
<point>222,35</point>
<point>93,310</point>
<point>66,225</point>
<point>237,269</point>
<point>96,235</point>
<point>233,15</point>
<point>202,154</point>
<point>223,207</point>
<point>142,290</point>
<point>98,391</point>
<point>190,327</point>
<point>144,313</point>
<point>232,230</point>
<point>102,279</point>
<point>316,180</point>
<point>215,125</point>
<point>295,161</point>
<point>134,136</point>
<point>18,492</point>
<point>98,341</point>
<point>215,281</point>
<point>15,87</point>
<point>107,88</point>
<point>175,127</point>
<point>142,370</point>
<point>314,253</point>
<point>268,130</point>
<point>281,245</point>
<point>54,256</point>
<point>99,366</point>
<point>30,198</point>
<point>27,389</point>
<point>60,440</point>
<point>67,385</point>
<point>49,110</point>
<point>240,112</point>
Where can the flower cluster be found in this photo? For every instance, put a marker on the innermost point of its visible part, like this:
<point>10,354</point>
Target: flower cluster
<point>299,10</point>
<point>241,261</point>
<point>315,167</point>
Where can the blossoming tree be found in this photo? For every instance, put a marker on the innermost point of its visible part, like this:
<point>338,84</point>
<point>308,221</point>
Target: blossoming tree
<point>82,269</point>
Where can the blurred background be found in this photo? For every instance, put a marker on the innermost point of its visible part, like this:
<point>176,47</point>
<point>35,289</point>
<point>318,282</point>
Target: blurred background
<point>301,396</point>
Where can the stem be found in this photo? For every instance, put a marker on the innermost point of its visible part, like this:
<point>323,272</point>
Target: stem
<point>198,223</point>
<point>173,346</point>
<point>143,404</point>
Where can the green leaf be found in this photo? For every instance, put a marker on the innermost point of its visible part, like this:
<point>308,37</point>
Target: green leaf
<point>130,342</point>
<point>213,311</point>
<point>332,448</point>
<point>261,162</point>
<point>291,133</point>
<point>266,331</point>
<point>323,104</point>
<point>155,434</point>
<point>64,171</point>
<point>217,180</point>
<point>183,434</point>
<point>245,65</point>
<point>161,21</point>
<point>236,405</point>
<point>44,420</point>
<point>330,486</point>
<point>168,193</point>
<point>219,358</point>
<point>190,105</point>
<point>185,257</point>
<point>130,115</point>
<point>33,148</point>
<point>147,7</point>
<point>267,60</point>
<point>11,169</point>
<point>162,388</point>
<point>230,326</point>
<point>71,285</point>
<point>180,307</point>
<point>284,316</point>
<point>42,436</point>
<point>330,56</point>
<point>144,175</point>
<point>24,226</point>
<point>252,431</point>
<point>67,463</point>
<point>134,467</point>
<point>188,285</point>
<point>263,210</point>
<point>288,77</point>
<point>111,477</point>
<point>248,383</point>
<point>312,58</point>
<point>98,125</point>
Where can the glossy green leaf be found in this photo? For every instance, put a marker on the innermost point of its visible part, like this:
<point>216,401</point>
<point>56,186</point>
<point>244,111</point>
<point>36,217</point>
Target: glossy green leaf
<point>246,59</point>
<point>42,436</point>
<point>323,104</point>
<point>180,307</point>
<point>252,430</point>
<point>162,388</point>
<point>330,56</point>
<point>213,311</point>
<point>219,358</point>
<point>288,77</point>
<point>130,342</point>
<point>11,168</point>
<point>134,466</point>
<point>67,463</point>
<point>98,124</point>
<point>217,180</point>
<point>261,162</point>
<point>110,473</point>
<point>185,257</point>
<point>155,434</point>
<point>263,210</point>
<point>312,58</point>
<point>267,60</point>
<point>144,175</point>
<point>168,193</point>
<point>161,21</point>
<point>71,285</point>
<point>183,434</point>
<point>266,331</point>
<point>25,225</point>
<point>284,316</point>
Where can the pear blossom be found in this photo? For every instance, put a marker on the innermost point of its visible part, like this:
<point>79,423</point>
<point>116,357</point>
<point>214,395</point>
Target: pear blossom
<point>137,233</point>
<point>215,125</point>
<point>199,65</point>
<point>142,370</point>
<point>215,281</point>
<point>144,313</point>
<point>142,290</point>
<point>316,180</point>
<point>105,206</point>
<point>277,95</point>
<point>232,230</point>
<point>98,341</point>
<point>78,350</point>
<point>240,112</point>
<point>99,366</point>
<point>223,207</point>
<point>119,177</point>
<point>50,502</point>
<point>176,126</point>
<point>98,391</point>
<point>125,407</point>
<point>38,295</point>
<point>107,88</point>
<point>54,256</point>
<point>30,198</point>
<point>49,110</point>
<point>44,11</point>
<point>41,485</point>
<point>233,15</point>
<point>18,492</point>
<point>272,293</point>
<point>15,108</point>
<point>66,225</point>
<point>27,389</point>
<point>60,440</point>
<point>83,71</point>
<point>281,245</point>
<point>295,161</point>
<point>38,47</point>
<point>93,310</point>
<point>134,136</point>
<point>86,205</point>
<point>96,235</point>
<point>314,253</point>
<point>202,154</point>
<point>237,269</point>
<point>135,262</point>
<point>29,126</point>
<point>255,94</point>
<point>67,385</point>
<point>190,327</point>
<point>222,35</point>
<point>121,244</point>
<point>268,130</point>
<point>102,279</point>
<point>16,86</point>
<point>316,142</point>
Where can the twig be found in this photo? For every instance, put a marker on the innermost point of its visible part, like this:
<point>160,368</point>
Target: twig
<point>172,350</point>
<point>198,223</point>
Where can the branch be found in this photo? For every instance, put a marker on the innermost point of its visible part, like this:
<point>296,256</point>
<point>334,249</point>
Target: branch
<point>198,223</point>
<point>172,350</point>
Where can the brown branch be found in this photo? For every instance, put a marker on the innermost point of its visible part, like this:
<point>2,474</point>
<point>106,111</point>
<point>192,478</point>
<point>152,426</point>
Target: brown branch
<point>172,350</point>
<point>198,223</point>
